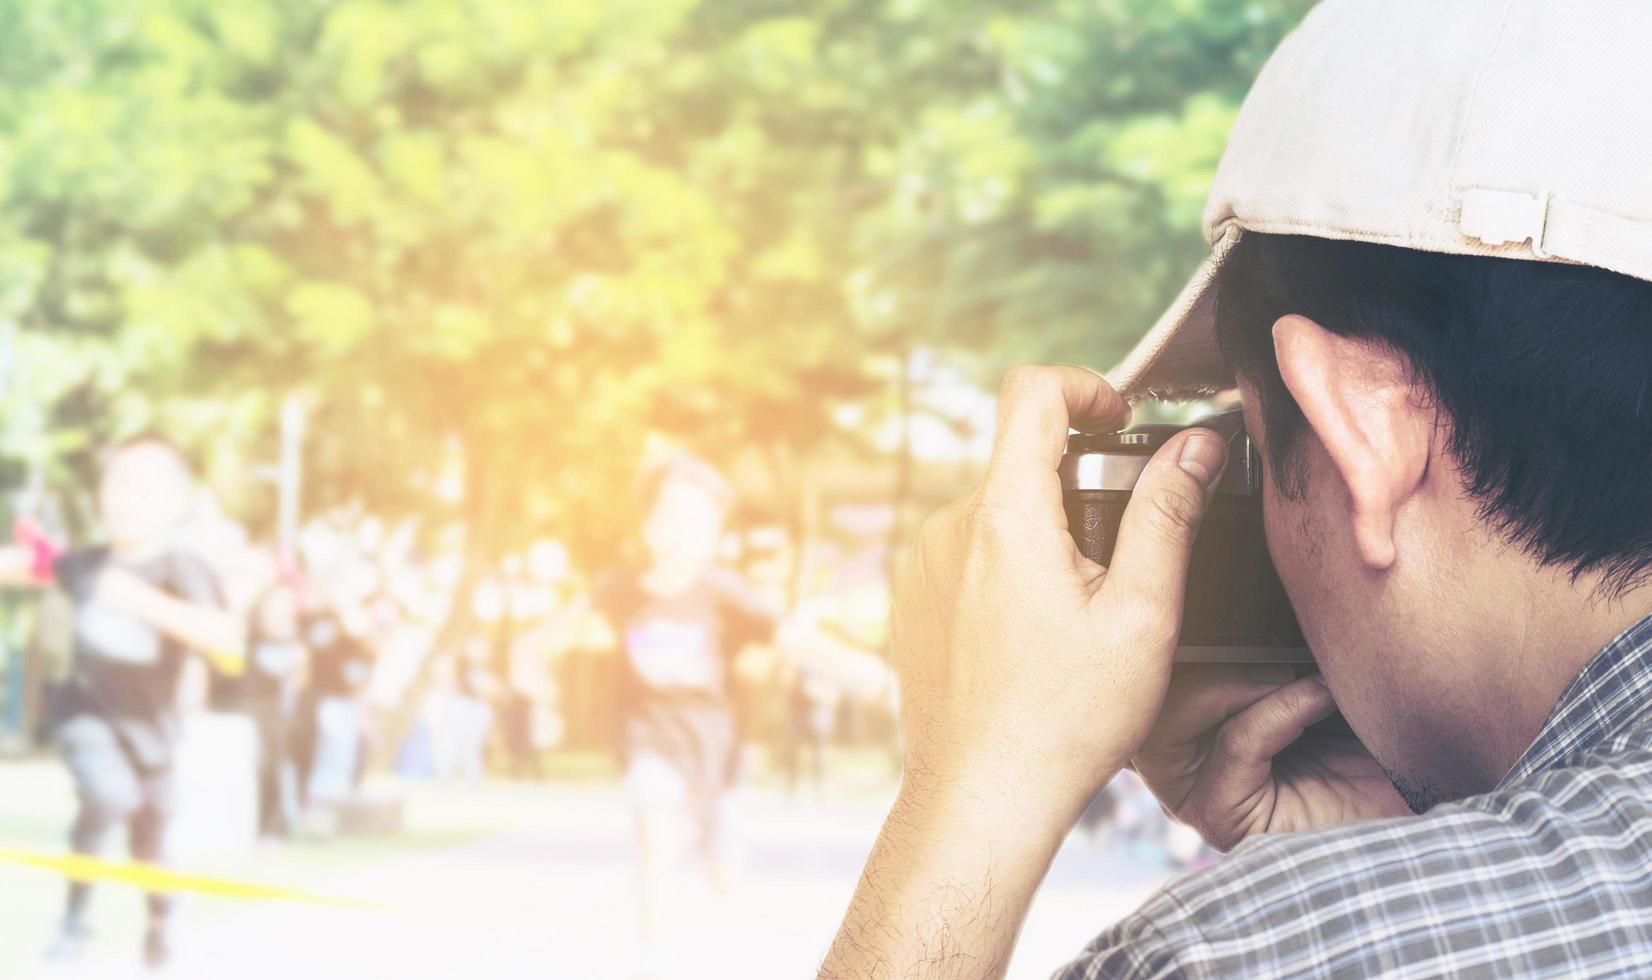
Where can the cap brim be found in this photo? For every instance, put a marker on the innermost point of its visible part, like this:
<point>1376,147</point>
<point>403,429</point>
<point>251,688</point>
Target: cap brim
<point>1179,357</point>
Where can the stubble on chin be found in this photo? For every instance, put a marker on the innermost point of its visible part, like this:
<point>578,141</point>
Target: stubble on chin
<point>1419,792</point>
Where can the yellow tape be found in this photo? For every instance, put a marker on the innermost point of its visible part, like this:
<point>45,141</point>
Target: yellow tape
<point>149,877</point>
<point>233,664</point>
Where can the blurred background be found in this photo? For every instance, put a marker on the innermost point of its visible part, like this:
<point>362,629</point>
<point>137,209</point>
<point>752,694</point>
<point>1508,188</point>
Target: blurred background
<point>427,293</point>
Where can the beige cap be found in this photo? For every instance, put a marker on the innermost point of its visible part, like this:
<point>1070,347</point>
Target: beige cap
<point>1512,128</point>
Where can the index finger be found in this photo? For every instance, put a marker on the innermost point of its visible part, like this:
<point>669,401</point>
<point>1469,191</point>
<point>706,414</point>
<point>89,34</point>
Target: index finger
<point>1037,404</point>
<point>1202,696</point>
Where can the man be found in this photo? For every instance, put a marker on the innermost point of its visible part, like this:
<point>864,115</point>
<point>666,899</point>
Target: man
<point>269,692</point>
<point>139,606</point>
<point>333,734</point>
<point>1431,287</point>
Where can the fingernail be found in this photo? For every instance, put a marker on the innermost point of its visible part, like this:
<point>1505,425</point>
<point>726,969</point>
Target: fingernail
<point>1203,454</point>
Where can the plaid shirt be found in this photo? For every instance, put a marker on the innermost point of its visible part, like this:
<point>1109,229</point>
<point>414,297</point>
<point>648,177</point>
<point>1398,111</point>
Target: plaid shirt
<point>1550,874</point>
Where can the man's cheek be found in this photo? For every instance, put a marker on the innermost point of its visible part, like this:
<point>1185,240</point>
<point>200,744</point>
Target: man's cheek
<point>1290,543</point>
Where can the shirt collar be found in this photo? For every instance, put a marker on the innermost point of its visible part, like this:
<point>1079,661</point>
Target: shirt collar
<point>1610,690</point>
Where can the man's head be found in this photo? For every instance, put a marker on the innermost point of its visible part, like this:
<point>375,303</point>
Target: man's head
<point>1451,388</point>
<point>1457,444</point>
<point>143,494</point>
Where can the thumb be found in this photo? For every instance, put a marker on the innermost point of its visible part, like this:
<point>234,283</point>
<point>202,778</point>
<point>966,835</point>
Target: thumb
<point>1155,536</point>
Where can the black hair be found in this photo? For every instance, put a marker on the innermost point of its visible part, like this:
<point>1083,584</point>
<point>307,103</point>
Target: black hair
<point>1542,372</point>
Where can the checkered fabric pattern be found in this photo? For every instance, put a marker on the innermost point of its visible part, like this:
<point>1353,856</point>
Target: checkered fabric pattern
<point>1548,875</point>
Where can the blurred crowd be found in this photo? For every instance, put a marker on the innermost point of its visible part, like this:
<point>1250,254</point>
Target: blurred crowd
<point>684,668</point>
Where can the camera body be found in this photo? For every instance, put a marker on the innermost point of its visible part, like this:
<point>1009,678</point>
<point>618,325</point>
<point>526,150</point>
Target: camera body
<point>1236,610</point>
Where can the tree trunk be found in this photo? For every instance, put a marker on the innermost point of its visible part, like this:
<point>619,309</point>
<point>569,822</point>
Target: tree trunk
<point>901,498</point>
<point>457,620</point>
<point>800,496</point>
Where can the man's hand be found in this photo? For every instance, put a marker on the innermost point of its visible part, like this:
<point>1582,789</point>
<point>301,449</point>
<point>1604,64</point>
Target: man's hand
<point>1232,754</point>
<point>1029,675</point>
<point>1023,665</point>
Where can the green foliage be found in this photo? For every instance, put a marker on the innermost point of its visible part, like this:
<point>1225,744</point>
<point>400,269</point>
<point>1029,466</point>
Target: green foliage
<point>511,237</point>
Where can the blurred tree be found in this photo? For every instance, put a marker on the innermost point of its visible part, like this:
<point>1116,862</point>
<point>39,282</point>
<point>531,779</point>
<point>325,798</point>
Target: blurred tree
<point>496,242</point>
<point>501,236</point>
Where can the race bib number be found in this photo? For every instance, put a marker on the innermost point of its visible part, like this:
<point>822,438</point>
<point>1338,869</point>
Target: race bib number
<point>673,653</point>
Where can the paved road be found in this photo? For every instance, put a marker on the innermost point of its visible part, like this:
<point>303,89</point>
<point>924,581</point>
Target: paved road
<point>508,881</point>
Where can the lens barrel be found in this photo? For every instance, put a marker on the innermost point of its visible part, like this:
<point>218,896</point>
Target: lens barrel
<point>1235,610</point>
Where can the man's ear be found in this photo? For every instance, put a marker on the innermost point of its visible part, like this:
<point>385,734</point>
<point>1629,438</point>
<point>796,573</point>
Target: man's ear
<point>1360,400</point>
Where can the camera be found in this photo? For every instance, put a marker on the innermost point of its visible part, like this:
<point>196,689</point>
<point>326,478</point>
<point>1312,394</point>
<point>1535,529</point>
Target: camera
<point>1236,610</point>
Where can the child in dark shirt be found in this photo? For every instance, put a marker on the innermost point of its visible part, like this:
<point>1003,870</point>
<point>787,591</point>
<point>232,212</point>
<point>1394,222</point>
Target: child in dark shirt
<point>140,607</point>
<point>680,619</point>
